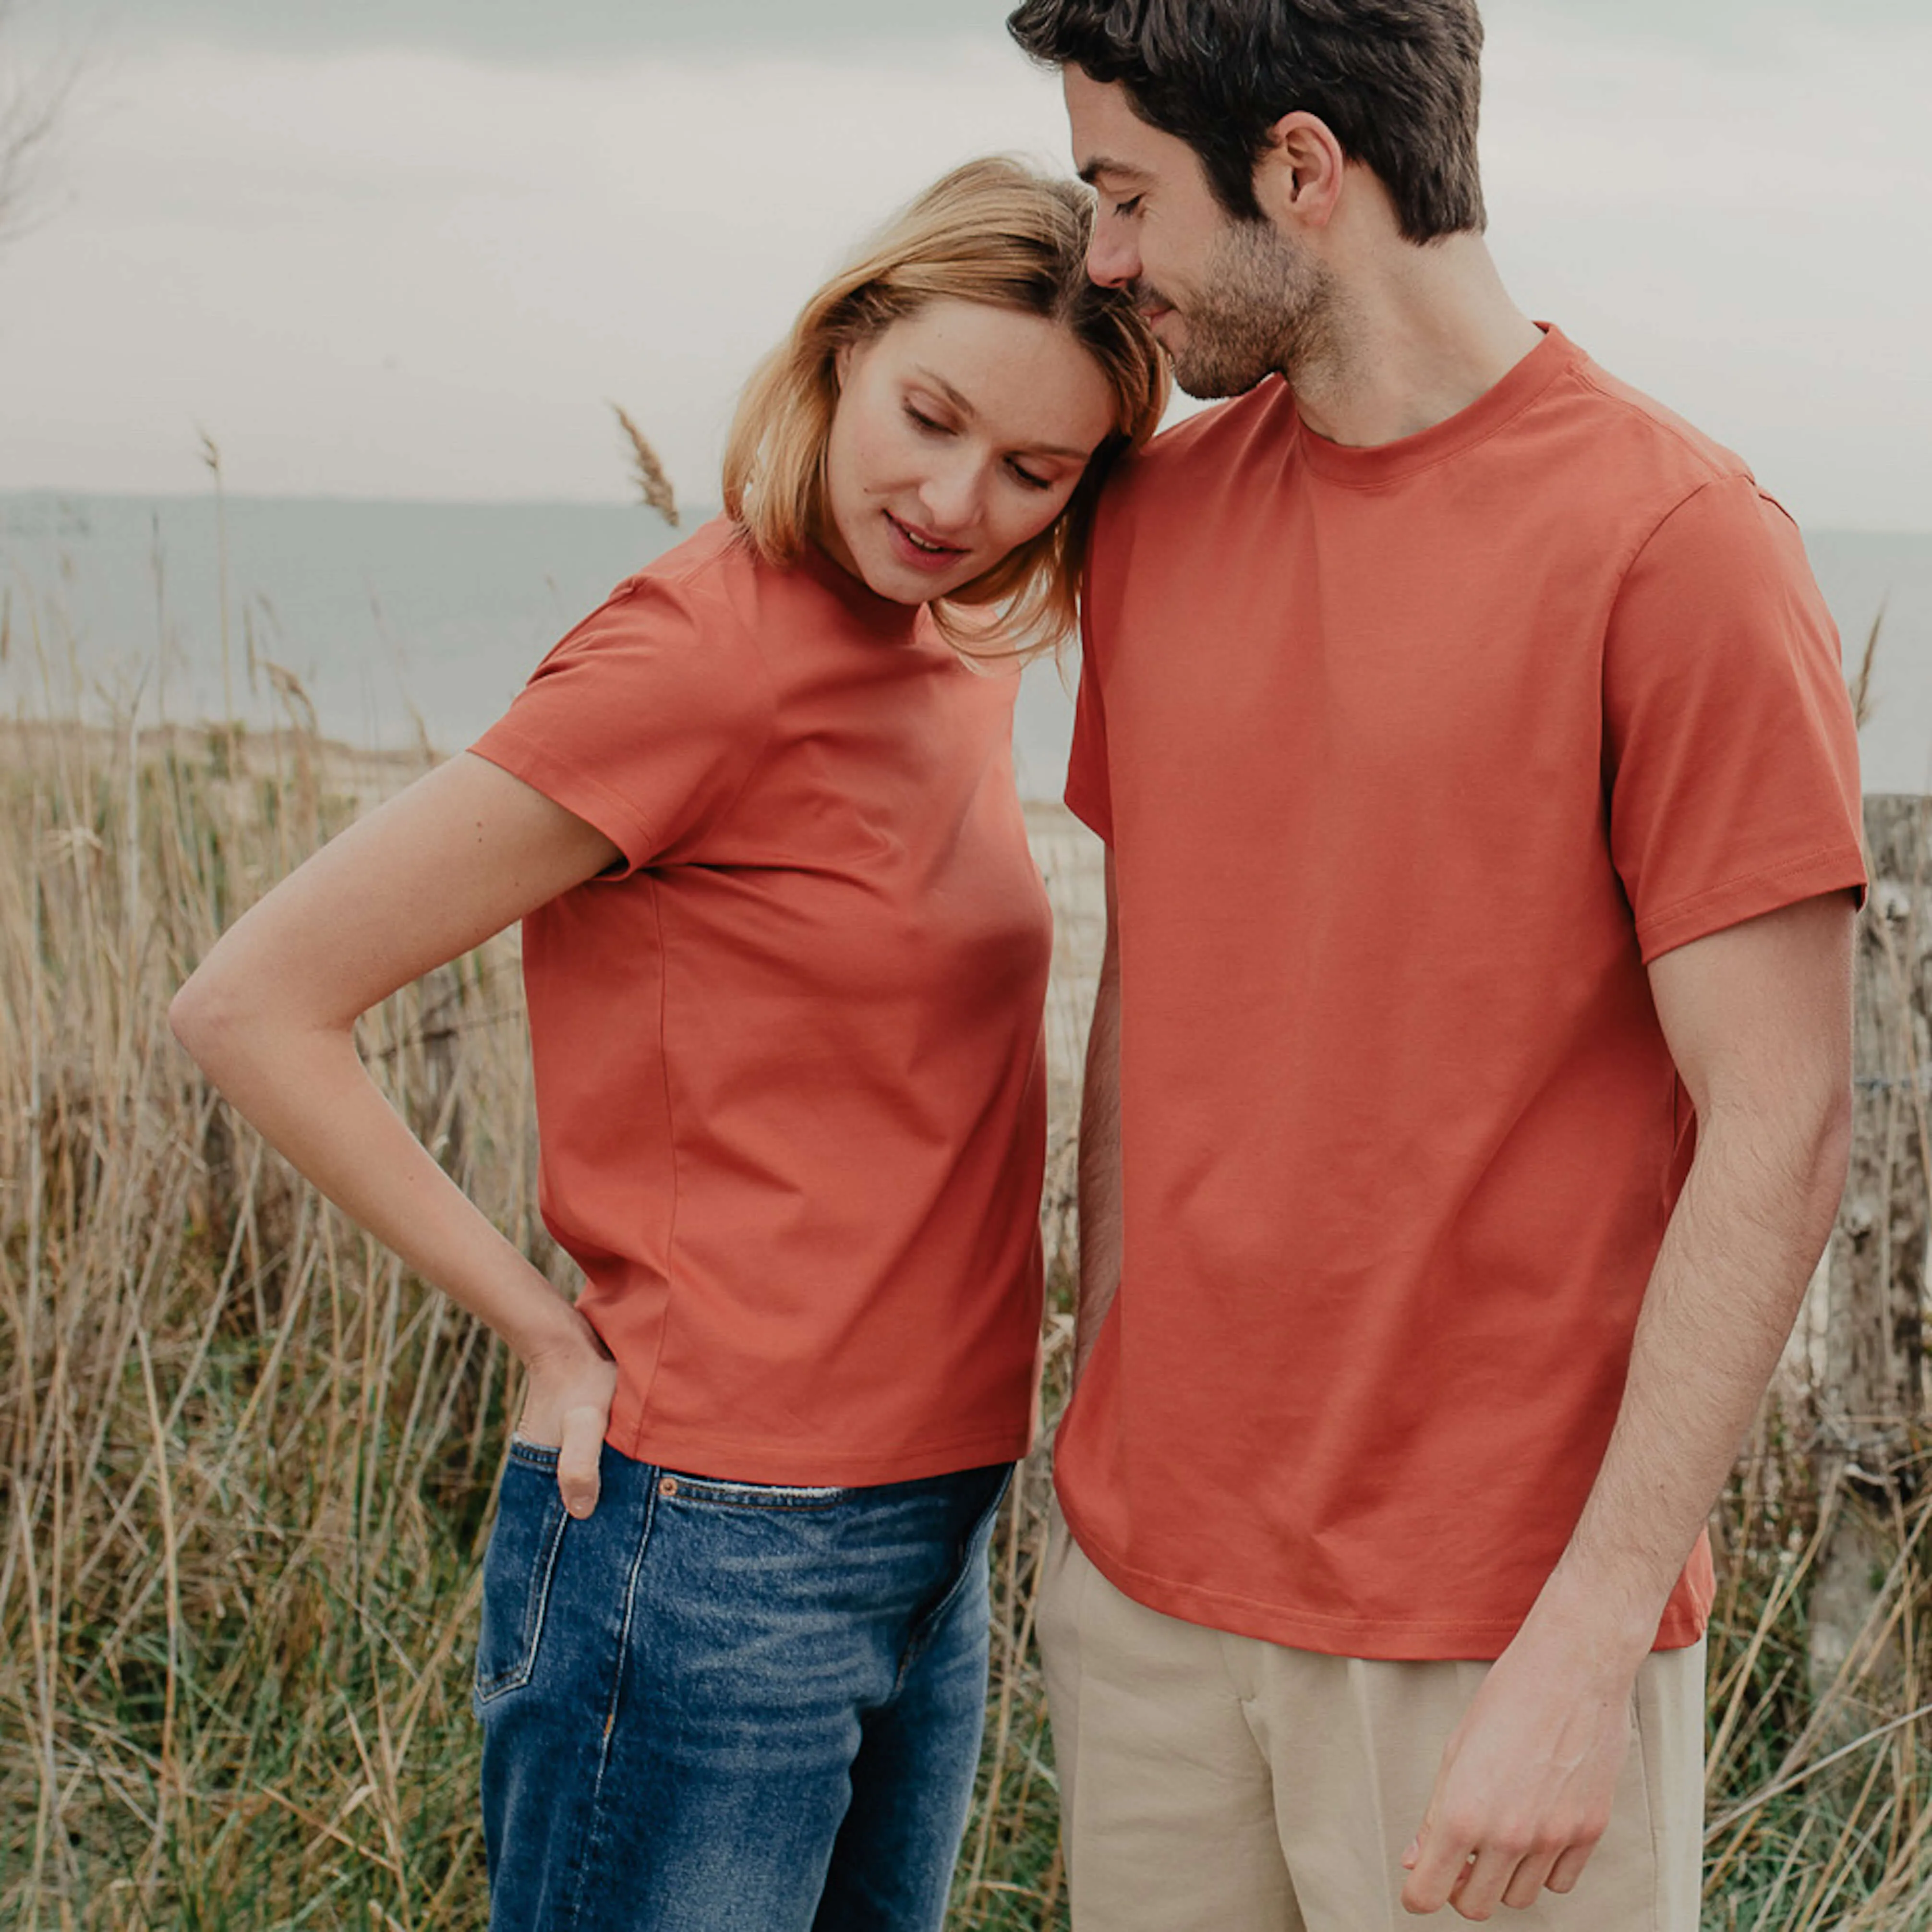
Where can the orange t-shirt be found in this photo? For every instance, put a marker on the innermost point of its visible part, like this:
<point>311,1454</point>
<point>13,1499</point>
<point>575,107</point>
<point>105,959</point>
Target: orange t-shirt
<point>790,1068</point>
<point>1410,758</point>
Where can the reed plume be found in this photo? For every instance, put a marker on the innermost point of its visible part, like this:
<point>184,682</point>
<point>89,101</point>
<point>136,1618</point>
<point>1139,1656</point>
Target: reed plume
<point>647,471</point>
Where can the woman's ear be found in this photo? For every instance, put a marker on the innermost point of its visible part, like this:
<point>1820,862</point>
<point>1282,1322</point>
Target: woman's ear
<point>841,365</point>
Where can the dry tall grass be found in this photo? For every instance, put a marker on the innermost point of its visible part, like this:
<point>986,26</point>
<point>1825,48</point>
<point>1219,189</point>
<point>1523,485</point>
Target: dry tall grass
<point>247,1462</point>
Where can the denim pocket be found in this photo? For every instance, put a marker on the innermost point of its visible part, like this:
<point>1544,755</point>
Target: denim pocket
<point>673,1485</point>
<point>983,1491</point>
<point>517,1569</point>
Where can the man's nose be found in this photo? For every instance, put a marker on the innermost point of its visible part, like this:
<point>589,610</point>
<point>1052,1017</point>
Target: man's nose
<point>1111,258</point>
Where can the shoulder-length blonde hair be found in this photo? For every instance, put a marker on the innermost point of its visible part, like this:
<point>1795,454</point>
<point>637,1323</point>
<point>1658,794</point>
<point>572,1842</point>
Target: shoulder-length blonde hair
<point>993,231</point>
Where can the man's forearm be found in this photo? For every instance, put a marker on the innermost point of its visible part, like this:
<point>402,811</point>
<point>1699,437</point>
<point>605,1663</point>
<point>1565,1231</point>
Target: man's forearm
<point>1755,1213</point>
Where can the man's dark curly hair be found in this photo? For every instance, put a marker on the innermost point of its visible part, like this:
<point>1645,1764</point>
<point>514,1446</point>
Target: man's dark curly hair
<point>1398,81</point>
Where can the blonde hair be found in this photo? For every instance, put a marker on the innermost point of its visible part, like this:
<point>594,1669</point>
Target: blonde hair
<point>993,231</point>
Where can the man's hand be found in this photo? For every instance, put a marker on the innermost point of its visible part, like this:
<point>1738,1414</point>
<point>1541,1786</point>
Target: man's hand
<point>1526,1781</point>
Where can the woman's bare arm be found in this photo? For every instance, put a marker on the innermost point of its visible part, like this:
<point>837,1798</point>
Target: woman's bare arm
<point>270,1015</point>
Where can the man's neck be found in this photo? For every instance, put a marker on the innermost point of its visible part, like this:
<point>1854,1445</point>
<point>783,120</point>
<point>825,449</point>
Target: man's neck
<point>1418,335</point>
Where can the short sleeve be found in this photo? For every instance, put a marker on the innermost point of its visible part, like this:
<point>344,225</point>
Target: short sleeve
<point>1730,756</point>
<point>645,721</point>
<point>1088,794</point>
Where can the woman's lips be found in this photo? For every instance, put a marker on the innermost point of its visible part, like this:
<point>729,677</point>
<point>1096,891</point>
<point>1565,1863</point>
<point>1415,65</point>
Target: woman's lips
<point>919,551</point>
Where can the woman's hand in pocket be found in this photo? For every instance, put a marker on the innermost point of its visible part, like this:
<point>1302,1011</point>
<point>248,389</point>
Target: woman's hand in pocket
<point>567,1407</point>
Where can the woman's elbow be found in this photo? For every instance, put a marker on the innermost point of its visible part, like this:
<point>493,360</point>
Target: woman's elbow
<point>190,1016</point>
<point>208,1016</point>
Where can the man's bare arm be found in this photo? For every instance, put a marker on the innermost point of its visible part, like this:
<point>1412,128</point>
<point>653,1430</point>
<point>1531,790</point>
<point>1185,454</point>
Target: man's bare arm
<point>1758,1018</point>
<point>1100,1242</point>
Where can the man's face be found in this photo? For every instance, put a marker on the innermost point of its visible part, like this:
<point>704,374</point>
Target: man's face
<point>1231,302</point>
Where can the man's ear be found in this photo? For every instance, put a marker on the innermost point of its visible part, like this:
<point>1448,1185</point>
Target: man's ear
<point>1298,180</point>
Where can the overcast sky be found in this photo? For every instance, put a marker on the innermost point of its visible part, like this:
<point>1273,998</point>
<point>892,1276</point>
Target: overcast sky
<point>410,248</point>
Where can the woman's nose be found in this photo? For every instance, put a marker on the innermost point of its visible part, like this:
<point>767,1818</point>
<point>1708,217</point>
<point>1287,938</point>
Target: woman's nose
<point>950,496</point>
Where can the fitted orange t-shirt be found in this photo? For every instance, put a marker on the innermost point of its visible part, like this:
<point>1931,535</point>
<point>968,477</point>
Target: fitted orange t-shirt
<point>789,1060</point>
<point>1410,758</point>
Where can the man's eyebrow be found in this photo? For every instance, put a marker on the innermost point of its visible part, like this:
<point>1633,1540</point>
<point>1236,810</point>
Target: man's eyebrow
<point>967,409</point>
<point>1105,164</point>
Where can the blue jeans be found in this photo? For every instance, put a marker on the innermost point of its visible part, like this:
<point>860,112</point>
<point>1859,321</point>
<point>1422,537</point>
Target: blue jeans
<point>725,1707</point>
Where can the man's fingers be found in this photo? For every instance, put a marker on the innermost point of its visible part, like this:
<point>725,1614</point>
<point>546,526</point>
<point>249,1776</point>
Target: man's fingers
<point>1440,1862</point>
<point>1526,1885</point>
<point>1476,1881</point>
<point>577,1460</point>
<point>1478,1893</point>
<point>1413,1856</point>
<point>1569,1868</point>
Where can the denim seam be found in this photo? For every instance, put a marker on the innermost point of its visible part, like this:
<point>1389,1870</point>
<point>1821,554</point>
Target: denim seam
<point>593,1841</point>
<point>921,1640</point>
<point>778,1503</point>
<point>520,1672</point>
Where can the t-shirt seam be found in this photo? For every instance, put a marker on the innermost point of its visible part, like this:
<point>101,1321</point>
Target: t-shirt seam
<point>715,817</point>
<point>1656,530</point>
<point>1680,433</point>
<point>654,887</point>
<point>1453,454</point>
<point>688,577</point>
<point>1796,862</point>
<point>538,758</point>
<point>1621,584</point>
<point>709,822</point>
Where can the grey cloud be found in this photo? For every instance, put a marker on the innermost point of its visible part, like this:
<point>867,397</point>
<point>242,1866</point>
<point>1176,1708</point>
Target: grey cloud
<point>1743,32</point>
<point>573,30</point>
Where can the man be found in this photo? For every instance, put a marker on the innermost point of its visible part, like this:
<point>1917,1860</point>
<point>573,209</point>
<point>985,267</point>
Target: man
<point>1467,1093</point>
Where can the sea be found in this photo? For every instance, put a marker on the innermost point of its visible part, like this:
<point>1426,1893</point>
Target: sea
<point>404,623</point>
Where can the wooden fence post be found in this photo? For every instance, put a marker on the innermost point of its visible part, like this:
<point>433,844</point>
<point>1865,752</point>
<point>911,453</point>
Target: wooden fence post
<point>1871,1393</point>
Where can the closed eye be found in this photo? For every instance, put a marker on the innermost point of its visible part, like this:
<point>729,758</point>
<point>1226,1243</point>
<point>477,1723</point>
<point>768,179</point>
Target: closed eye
<point>1127,207</point>
<point>1027,477</point>
<point>930,424</point>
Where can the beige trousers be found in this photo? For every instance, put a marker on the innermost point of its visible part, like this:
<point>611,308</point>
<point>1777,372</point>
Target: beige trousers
<point>1217,1784</point>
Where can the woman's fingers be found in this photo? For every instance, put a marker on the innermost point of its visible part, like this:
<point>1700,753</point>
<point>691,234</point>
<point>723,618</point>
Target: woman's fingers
<point>577,1457</point>
<point>567,1403</point>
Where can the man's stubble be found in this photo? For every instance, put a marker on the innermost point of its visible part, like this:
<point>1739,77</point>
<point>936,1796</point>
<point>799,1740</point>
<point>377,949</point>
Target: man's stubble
<point>1265,306</point>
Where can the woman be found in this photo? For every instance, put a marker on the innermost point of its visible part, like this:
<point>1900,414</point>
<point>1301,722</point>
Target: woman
<point>785,952</point>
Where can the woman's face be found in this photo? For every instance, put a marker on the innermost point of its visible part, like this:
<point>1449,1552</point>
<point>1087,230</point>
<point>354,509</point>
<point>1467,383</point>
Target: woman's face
<point>960,432</point>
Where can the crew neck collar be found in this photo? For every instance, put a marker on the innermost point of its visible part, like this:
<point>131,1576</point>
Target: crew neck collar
<point>883,617</point>
<point>1384,462</point>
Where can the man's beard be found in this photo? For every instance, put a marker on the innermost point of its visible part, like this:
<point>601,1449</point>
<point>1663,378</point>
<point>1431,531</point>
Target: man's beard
<point>1265,306</point>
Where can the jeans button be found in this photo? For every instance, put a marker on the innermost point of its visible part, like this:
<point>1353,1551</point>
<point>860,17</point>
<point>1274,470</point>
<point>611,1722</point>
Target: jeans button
<point>667,1486</point>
